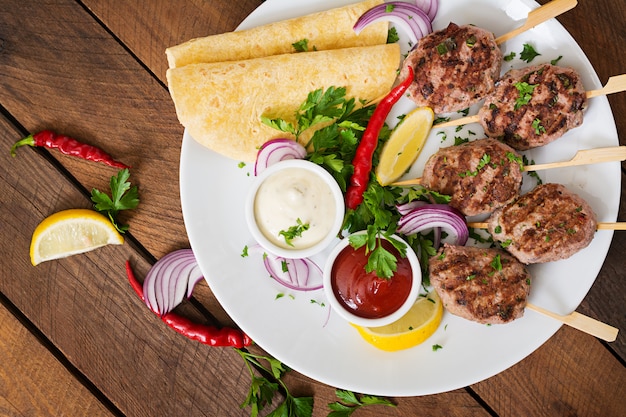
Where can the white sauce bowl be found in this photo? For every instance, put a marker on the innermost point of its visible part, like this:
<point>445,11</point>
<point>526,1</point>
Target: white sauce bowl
<point>282,203</point>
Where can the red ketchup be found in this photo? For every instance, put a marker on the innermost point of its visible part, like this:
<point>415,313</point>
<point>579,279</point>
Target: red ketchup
<point>365,294</point>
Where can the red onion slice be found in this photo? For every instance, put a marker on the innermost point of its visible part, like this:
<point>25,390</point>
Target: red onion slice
<point>170,280</point>
<point>435,216</point>
<point>295,274</point>
<point>407,16</point>
<point>430,7</point>
<point>276,150</point>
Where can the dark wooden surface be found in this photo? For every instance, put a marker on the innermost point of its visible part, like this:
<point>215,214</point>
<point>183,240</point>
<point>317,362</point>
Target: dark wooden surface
<point>75,340</point>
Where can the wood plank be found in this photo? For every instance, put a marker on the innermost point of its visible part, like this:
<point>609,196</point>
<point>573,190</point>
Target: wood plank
<point>168,23</point>
<point>56,59</point>
<point>34,382</point>
<point>572,374</point>
<point>127,352</point>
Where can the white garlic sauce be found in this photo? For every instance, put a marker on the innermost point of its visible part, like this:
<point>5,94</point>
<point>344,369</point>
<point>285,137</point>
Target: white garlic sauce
<point>293,194</point>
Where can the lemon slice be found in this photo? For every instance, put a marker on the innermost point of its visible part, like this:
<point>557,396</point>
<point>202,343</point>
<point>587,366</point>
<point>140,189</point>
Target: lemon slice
<point>404,145</point>
<point>69,232</point>
<point>421,321</point>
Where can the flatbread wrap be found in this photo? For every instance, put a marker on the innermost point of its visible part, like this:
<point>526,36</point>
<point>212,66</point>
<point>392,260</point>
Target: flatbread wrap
<point>221,104</point>
<point>330,29</point>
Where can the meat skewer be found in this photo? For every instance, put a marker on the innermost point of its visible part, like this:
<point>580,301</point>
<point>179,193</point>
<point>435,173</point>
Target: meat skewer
<point>547,224</point>
<point>458,66</point>
<point>479,176</point>
<point>488,285</point>
<point>536,105</point>
<point>485,174</point>
<point>584,157</point>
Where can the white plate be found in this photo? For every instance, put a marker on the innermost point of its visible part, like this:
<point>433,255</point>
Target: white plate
<point>316,342</point>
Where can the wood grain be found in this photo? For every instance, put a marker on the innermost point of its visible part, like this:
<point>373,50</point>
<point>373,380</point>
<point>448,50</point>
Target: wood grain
<point>95,70</point>
<point>33,382</point>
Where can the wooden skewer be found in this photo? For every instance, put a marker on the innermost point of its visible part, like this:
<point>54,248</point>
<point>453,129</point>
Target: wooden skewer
<point>615,84</point>
<point>601,226</point>
<point>540,15</point>
<point>584,157</point>
<point>581,322</point>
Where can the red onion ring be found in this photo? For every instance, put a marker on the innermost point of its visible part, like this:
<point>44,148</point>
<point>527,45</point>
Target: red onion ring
<point>408,16</point>
<point>170,280</point>
<point>276,150</point>
<point>294,274</point>
<point>431,216</point>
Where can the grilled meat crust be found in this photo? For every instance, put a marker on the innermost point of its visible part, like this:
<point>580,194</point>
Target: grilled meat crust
<point>546,224</point>
<point>485,285</point>
<point>555,106</point>
<point>454,68</point>
<point>480,176</point>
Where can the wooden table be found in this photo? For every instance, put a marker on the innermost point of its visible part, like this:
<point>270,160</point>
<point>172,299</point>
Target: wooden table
<point>75,340</point>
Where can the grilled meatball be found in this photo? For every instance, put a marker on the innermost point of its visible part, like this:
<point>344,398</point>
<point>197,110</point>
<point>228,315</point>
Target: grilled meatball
<point>454,68</point>
<point>546,224</point>
<point>480,176</point>
<point>485,285</point>
<point>533,106</point>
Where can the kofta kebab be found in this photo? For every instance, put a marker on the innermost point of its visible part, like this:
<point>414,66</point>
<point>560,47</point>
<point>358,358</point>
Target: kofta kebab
<point>525,108</point>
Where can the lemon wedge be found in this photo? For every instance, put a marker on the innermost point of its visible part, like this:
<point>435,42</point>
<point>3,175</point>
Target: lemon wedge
<point>70,232</point>
<point>404,145</point>
<point>421,321</point>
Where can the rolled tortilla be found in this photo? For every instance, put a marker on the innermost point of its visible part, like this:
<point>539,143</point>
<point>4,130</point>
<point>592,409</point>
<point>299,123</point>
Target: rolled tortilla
<point>330,29</point>
<point>221,104</point>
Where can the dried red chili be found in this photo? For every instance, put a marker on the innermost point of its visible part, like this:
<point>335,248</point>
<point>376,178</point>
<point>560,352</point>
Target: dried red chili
<point>208,335</point>
<point>67,146</point>
<point>362,161</point>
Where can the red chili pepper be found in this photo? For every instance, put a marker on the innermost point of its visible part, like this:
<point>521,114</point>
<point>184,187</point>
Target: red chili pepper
<point>362,161</point>
<point>208,335</point>
<point>67,146</point>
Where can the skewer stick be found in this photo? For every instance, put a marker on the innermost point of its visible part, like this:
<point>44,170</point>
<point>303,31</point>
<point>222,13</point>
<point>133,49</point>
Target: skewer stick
<point>601,226</point>
<point>581,322</point>
<point>584,157</point>
<point>540,15</point>
<point>615,84</point>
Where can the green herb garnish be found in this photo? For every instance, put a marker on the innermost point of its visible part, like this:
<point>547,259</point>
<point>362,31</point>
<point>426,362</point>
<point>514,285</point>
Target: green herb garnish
<point>349,402</point>
<point>262,389</point>
<point>525,93</point>
<point>294,231</point>
<point>123,197</point>
<point>539,129</point>
<point>301,45</point>
<point>528,53</point>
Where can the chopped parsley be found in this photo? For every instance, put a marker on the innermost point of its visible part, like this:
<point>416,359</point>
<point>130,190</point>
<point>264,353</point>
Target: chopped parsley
<point>294,232</point>
<point>538,127</point>
<point>436,347</point>
<point>510,57</point>
<point>392,35</point>
<point>301,45</point>
<point>528,53</point>
<point>481,164</point>
<point>525,93</point>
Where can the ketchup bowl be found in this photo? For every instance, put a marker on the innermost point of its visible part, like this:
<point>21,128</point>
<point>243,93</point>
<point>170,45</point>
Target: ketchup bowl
<point>294,209</point>
<point>363,298</point>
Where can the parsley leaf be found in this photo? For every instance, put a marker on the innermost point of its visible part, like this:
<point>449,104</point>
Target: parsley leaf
<point>301,45</point>
<point>294,231</point>
<point>262,389</point>
<point>525,93</point>
<point>123,197</point>
<point>349,402</point>
<point>528,53</point>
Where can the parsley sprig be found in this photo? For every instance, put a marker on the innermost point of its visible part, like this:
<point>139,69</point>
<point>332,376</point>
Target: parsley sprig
<point>349,403</point>
<point>294,231</point>
<point>123,197</point>
<point>262,389</point>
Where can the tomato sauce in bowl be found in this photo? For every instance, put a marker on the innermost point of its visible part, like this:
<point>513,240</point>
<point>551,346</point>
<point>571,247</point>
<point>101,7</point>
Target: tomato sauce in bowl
<point>362,297</point>
<point>365,294</point>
